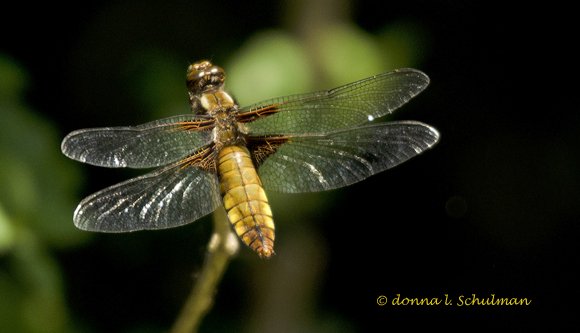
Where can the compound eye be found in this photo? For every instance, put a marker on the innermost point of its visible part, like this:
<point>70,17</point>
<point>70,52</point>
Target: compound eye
<point>202,65</point>
<point>203,76</point>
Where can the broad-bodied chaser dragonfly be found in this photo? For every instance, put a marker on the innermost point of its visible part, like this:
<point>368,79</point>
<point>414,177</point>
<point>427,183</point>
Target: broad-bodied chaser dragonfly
<point>223,154</point>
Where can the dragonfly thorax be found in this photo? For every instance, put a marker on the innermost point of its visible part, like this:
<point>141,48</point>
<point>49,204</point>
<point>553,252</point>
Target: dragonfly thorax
<point>227,131</point>
<point>222,108</point>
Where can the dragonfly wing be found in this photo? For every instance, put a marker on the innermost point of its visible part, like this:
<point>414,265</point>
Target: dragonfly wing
<point>351,105</point>
<point>168,197</point>
<point>149,145</point>
<point>323,162</point>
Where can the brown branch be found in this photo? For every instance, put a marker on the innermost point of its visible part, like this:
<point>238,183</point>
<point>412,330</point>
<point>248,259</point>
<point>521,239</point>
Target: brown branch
<point>222,246</point>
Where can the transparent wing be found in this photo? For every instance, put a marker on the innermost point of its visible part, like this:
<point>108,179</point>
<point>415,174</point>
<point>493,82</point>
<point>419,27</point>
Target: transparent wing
<point>168,197</point>
<point>327,111</point>
<point>149,145</point>
<point>324,162</point>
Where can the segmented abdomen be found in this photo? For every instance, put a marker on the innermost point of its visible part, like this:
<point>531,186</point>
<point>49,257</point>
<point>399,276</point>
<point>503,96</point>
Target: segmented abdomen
<point>245,200</point>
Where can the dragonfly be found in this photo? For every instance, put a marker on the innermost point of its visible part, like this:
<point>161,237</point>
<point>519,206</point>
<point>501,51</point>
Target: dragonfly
<point>222,154</point>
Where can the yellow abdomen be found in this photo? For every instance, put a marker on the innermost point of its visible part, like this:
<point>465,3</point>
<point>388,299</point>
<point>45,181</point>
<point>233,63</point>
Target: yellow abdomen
<point>245,200</point>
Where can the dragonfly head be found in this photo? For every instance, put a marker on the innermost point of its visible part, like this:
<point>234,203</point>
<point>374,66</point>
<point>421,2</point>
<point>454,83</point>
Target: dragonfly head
<point>203,76</point>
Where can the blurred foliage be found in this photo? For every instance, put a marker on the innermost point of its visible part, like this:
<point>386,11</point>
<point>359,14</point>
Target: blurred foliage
<point>269,64</point>
<point>37,197</point>
<point>155,83</point>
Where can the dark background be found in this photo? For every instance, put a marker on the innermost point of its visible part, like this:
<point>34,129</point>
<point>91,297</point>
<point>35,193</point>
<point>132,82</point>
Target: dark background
<point>493,209</point>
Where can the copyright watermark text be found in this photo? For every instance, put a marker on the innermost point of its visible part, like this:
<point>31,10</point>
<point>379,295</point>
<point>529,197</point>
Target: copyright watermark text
<point>457,301</point>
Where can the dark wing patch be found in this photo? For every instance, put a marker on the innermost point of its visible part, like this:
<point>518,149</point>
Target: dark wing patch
<point>262,147</point>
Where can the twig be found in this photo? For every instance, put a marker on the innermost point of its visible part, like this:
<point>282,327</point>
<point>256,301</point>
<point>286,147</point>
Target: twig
<point>222,246</point>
